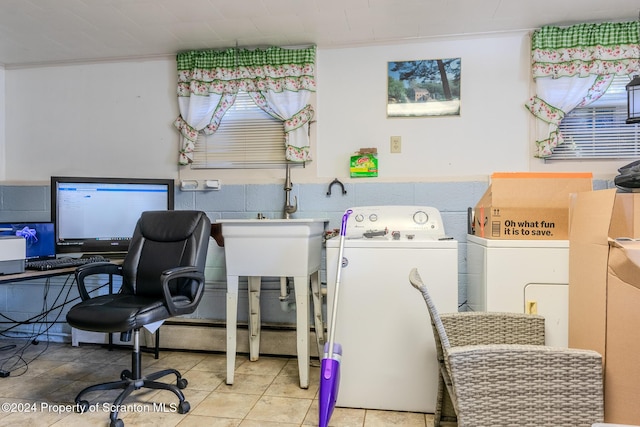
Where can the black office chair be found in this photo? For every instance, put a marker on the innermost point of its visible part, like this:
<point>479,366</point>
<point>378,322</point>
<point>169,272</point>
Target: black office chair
<point>162,276</point>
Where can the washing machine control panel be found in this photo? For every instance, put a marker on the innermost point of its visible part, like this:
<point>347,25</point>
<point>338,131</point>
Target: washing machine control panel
<point>395,223</point>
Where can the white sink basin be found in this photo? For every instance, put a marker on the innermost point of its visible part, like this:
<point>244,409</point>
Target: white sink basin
<point>280,248</point>
<point>272,247</point>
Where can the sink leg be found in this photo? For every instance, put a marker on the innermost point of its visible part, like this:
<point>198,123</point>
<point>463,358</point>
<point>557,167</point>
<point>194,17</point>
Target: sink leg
<point>317,311</point>
<point>254,317</point>
<point>232,322</point>
<point>301,285</point>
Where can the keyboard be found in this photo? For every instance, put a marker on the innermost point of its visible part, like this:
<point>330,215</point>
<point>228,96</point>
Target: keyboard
<point>67,262</point>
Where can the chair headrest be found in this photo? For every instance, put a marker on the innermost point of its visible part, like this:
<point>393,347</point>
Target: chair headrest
<point>169,226</point>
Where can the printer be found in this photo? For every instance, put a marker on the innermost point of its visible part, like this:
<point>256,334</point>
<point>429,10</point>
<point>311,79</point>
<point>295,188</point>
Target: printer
<point>13,251</point>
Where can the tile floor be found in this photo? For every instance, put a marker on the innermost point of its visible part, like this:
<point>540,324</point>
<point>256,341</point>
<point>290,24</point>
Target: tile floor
<point>266,393</point>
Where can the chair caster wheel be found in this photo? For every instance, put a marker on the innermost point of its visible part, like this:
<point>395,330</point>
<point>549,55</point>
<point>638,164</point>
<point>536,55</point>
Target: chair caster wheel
<point>126,374</point>
<point>184,407</point>
<point>82,406</point>
<point>182,383</point>
<point>116,423</point>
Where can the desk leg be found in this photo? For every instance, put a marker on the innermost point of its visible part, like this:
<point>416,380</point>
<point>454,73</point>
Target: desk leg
<point>232,323</point>
<point>254,317</point>
<point>317,312</point>
<point>301,285</point>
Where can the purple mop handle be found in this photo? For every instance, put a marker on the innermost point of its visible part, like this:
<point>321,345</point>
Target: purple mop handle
<point>345,217</point>
<point>332,329</point>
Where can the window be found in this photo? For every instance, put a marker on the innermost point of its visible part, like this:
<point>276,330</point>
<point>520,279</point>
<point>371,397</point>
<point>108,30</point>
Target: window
<point>247,137</point>
<point>599,131</point>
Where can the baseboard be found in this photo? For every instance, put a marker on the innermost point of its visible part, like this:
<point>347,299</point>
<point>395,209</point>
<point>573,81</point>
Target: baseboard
<point>203,335</point>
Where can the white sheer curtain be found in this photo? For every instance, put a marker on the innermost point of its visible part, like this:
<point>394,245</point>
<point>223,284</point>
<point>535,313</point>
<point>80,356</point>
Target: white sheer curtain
<point>295,112</point>
<point>199,114</point>
<point>556,98</point>
<point>573,67</point>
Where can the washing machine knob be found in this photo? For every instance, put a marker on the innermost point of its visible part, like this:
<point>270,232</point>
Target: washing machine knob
<point>359,218</point>
<point>420,217</point>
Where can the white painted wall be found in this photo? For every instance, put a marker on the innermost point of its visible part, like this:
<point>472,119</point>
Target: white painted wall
<point>490,133</point>
<point>98,119</point>
<point>115,118</point>
<point>2,125</point>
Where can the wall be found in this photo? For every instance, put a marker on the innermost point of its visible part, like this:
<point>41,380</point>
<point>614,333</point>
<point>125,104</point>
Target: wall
<point>2,125</point>
<point>107,119</point>
<point>115,119</point>
<point>487,136</point>
<point>32,203</point>
<point>246,201</point>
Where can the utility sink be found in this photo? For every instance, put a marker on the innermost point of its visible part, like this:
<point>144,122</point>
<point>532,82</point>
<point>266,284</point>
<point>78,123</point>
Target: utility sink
<point>274,248</point>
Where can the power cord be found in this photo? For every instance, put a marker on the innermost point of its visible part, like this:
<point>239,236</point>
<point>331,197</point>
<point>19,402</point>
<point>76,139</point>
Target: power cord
<point>18,360</point>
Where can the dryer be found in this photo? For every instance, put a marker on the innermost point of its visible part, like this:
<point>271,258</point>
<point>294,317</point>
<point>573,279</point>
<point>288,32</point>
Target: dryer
<point>521,276</point>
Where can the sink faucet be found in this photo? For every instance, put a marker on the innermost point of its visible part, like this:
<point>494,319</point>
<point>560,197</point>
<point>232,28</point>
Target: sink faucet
<point>288,207</point>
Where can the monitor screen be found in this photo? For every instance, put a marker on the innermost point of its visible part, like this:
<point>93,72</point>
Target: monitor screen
<point>98,215</point>
<point>39,236</point>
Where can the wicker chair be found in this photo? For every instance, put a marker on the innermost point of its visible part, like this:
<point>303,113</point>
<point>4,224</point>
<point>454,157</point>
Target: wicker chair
<point>496,371</point>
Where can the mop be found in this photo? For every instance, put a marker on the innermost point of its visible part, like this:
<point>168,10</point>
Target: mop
<point>330,367</point>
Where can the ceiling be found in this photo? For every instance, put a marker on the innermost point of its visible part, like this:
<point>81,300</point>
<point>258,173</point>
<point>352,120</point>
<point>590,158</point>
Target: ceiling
<point>36,32</point>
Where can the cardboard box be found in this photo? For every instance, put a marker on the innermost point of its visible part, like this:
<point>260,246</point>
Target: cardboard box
<point>527,206</point>
<point>604,293</point>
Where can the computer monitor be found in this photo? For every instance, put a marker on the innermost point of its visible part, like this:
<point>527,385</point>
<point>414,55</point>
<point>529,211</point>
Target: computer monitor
<point>98,215</point>
<point>39,236</point>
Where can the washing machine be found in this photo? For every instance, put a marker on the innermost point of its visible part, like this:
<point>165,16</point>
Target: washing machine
<point>521,276</point>
<point>388,350</point>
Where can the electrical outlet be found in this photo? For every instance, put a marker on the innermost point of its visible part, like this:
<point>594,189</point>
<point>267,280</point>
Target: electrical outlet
<point>396,144</point>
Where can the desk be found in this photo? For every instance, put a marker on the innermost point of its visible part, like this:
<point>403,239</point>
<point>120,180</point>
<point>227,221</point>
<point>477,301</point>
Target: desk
<point>35,274</point>
<point>46,274</point>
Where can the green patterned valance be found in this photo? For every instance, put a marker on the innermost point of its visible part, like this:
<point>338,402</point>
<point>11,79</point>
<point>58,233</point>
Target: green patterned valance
<point>584,49</point>
<point>227,71</point>
<point>231,57</point>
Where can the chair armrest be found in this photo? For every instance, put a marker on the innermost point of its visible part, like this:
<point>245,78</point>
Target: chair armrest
<point>92,269</point>
<point>187,272</point>
<point>526,385</point>
<point>474,328</point>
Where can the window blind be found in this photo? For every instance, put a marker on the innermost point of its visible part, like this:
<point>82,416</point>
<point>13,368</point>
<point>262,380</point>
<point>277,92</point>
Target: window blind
<point>246,138</point>
<point>599,131</point>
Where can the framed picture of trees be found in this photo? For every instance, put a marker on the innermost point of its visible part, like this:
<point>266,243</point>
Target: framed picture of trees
<point>429,87</point>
